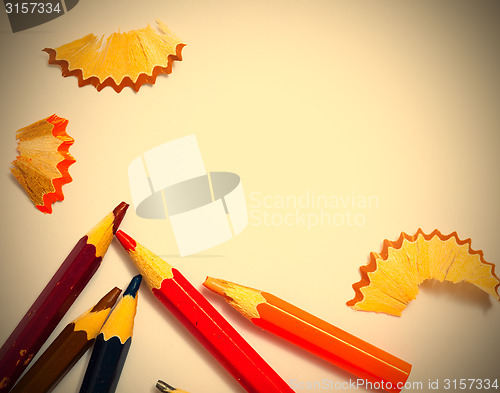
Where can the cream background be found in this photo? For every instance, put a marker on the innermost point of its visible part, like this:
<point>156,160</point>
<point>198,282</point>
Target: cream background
<point>397,100</point>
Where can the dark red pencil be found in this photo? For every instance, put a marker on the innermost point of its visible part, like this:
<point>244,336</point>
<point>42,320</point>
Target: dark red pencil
<point>57,297</point>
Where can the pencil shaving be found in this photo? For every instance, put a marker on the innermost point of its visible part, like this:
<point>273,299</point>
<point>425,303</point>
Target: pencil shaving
<point>391,279</point>
<point>125,59</point>
<point>42,165</point>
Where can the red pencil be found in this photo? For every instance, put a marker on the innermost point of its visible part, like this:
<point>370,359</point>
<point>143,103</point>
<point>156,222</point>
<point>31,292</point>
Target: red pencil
<point>57,297</point>
<point>203,321</point>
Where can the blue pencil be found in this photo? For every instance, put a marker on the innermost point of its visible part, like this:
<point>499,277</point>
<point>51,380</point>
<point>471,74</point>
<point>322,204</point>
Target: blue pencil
<point>112,344</point>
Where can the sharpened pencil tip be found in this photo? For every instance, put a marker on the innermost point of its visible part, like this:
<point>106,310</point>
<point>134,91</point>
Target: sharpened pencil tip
<point>133,287</point>
<point>108,300</point>
<point>216,285</point>
<point>164,387</point>
<point>126,241</point>
<point>119,212</point>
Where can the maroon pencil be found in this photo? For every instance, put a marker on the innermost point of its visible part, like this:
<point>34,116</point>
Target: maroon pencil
<point>57,297</point>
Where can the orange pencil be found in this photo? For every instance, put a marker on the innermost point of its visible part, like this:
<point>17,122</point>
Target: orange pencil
<point>379,368</point>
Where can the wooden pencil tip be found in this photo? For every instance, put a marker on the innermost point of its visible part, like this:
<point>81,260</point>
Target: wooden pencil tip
<point>216,285</point>
<point>108,300</point>
<point>133,287</point>
<point>126,241</point>
<point>119,212</point>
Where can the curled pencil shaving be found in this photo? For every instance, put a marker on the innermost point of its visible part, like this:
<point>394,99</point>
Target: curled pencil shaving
<point>125,59</point>
<point>391,279</point>
<point>42,165</point>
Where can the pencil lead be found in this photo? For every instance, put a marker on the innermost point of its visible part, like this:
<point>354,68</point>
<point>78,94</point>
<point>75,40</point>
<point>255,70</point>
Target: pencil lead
<point>119,213</point>
<point>108,300</point>
<point>133,287</point>
<point>127,242</point>
<point>215,284</point>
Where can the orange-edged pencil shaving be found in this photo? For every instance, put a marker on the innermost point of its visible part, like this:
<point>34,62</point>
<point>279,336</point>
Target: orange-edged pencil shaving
<point>125,59</point>
<point>42,165</point>
<point>391,279</point>
<point>335,345</point>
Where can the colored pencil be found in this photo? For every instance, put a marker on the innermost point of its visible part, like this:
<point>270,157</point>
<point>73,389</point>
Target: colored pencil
<point>56,298</point>
<point>315,335</point>
<point>166,388</point>
<point>67,348</point>
<point>203,321</point>
<point>112,344</point>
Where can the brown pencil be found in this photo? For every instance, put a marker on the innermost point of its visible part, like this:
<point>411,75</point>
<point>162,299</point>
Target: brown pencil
<point>57,297</point>
<point>67,348</point>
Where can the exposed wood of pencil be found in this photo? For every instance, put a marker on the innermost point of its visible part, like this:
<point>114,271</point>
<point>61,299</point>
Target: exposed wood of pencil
<point>315,335</point>
<point>166,388</point>
<point>67,348</point>
<point>203,321</point>
<point>112,344</point>
<point>56,298</point>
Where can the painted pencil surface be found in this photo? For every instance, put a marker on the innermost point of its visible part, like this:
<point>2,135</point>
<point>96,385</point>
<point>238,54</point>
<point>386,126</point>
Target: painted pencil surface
<point>67,348</point>
<point>56,298</point>
<point>204,321</point>
<point>112,344</point>
<point>166,388</point>
<point>315,335</point>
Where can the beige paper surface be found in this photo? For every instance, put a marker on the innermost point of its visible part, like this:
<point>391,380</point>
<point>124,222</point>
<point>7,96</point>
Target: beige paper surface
<point>348,123</point>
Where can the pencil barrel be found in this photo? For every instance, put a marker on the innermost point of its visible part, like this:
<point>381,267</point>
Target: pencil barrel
<point>63,353</point>
<point>105,365</point>
<point>335,345</point>
<point>47,311</point>
<point>68,348</point>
